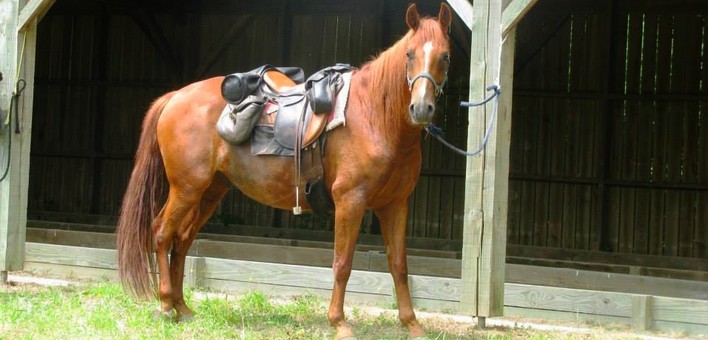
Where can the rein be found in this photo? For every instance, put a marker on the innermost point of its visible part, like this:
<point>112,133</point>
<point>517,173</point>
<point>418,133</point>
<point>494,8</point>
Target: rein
<point>438,132</point>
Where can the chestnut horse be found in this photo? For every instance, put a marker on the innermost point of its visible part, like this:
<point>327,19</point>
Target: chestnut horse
<point>373,162</point>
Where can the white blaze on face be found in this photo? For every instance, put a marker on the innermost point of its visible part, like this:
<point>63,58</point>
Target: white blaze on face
<point>427,49</point>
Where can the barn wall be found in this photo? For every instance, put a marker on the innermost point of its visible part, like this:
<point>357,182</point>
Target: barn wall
<point>608,133</point>
<point>609,138</point>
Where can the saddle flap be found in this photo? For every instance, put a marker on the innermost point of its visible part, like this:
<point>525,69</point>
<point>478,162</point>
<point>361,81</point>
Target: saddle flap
<point>286,123</point>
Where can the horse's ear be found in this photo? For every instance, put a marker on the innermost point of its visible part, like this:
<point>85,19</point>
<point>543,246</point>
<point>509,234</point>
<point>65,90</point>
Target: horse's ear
<point>444,16</point>
<point>412,17</point>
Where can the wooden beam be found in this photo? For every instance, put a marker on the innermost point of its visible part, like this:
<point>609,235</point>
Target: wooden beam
<point>34,9</point>
<point>514,12</point>
<point>641,312</point>
<point>463,8</point>
<point>18,62</point>
<point>310,253</point>
<point>486,182</point>
<point>10,254</point>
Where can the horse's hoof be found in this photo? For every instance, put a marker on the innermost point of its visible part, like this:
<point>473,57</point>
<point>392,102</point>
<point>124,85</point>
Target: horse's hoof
<point>164,315</point>
<point>417,333</point>
<point>345,333</point>
<point>185,318</point>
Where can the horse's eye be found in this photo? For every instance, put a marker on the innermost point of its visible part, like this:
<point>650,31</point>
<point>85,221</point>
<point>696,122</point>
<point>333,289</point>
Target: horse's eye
<point>446,58</point>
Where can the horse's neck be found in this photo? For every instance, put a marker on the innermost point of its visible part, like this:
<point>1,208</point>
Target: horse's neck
<point>389,98</point>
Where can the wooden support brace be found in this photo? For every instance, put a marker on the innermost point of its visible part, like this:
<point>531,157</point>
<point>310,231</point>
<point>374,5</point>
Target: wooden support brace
<point>514,12</point>
<point>33,9</point>
<point>463,8</point>
<point>641,312</point>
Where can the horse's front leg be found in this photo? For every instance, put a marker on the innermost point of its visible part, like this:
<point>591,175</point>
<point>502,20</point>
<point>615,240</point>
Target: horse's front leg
<point>393,229</point>
<point>348,214</point>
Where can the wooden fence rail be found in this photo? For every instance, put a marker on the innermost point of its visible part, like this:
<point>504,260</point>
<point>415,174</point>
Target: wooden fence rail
<point>434,293</point>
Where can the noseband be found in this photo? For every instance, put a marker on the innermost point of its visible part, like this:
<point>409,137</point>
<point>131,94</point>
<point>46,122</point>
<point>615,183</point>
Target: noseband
<point>427,75</point>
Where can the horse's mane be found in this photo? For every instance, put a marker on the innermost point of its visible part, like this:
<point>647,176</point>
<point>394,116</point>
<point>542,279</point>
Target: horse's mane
<point>386,76</point>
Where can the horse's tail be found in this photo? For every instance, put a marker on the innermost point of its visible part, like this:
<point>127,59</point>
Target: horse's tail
<point>143,199</point>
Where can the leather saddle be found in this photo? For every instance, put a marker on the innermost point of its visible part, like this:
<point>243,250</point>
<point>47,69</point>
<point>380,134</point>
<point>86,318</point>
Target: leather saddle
<point>278,97</point>
<point>294,112</point>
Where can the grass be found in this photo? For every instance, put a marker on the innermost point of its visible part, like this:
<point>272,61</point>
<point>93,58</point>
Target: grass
<point>102,310</point>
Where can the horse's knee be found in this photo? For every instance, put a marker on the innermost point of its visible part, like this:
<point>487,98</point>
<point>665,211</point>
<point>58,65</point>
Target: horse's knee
<point>342,269</point>
<point>399,270</point>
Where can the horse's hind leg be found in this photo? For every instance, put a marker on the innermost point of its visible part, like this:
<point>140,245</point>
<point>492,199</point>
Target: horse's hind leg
<point>178,214</point>
<point>393,230</point>
<point>209,203</point>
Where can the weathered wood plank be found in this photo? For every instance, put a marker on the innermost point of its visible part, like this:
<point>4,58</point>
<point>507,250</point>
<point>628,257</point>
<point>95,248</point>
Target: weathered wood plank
<point>486,186</point>
<point>679,310</point>
<point>641,312</point>
<point>275,253</point>
<point>71,271</point>
<point>34,9</point>
<point>513,13</point>
<point>695,264</point>
<point>536,313</point>
<point>14,188</point>
<point>290,291</point>
<point>294,275</point>
<point>67,255</point>
<point>589,280</point>
<point>569,300</point>
<point>464,10</point>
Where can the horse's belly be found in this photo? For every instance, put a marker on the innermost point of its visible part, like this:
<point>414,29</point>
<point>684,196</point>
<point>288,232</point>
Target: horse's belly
<point>269,180</point>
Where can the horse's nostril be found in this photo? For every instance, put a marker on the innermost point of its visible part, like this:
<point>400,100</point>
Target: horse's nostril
<point>411,109</point>
<point>431,108</point>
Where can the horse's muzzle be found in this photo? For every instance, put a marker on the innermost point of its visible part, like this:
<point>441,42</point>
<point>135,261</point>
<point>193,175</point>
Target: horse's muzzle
<point>421,112</point>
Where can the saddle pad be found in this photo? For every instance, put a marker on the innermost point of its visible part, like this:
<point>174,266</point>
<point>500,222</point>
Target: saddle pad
<point>336,117</point>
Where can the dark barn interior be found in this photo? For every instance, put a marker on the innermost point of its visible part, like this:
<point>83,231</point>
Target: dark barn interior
<point>609,141</point>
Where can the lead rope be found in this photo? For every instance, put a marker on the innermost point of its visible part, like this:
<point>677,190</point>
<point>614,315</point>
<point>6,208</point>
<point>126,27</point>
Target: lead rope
<point>438,133</point>
<point>14,104</point>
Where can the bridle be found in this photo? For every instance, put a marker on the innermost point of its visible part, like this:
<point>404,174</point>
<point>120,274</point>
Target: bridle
<point>427,75</point>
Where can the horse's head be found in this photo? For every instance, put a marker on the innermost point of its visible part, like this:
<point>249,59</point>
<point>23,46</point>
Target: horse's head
<point>428,54</point>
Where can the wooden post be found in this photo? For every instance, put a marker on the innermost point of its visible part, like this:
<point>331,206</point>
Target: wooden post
<point>641,312</point>
<point>486,185</point>
<point>11,234</point>
<point>18,38</point>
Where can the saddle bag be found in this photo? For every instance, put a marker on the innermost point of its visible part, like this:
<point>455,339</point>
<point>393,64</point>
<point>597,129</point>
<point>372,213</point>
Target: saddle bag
<point>237,86</point>
<point>236,123</point>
